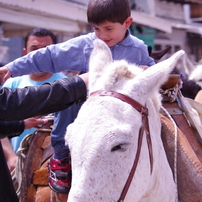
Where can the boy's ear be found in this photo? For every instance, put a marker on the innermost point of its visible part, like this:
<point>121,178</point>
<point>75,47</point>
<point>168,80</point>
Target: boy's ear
<point>128,22</point>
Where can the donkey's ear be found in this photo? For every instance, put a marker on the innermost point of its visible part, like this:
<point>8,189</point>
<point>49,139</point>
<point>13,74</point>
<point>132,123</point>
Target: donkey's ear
<point>100,58</point>
<point>155,76</point>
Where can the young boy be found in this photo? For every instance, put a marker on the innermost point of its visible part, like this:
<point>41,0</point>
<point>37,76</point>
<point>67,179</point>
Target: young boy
<point>110,20</point>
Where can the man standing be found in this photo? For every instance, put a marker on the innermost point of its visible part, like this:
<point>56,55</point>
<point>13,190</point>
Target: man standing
<point>35,39</point>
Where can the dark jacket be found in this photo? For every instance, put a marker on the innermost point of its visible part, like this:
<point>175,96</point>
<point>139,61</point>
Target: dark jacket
<point>31,101</point>
<point>190,88</point>
<point>7,192</point>
<point>13,128</point>
<point>19,104</point>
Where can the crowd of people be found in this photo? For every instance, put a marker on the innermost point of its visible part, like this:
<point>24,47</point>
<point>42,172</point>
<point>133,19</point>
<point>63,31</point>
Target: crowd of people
<point>42,61</point>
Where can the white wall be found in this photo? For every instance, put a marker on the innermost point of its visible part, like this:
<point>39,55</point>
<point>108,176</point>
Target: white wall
<point>62,9</point>
<point>169,10</point>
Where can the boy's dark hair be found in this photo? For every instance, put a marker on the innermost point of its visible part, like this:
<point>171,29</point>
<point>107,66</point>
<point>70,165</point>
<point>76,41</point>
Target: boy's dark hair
<point>40,32</point>
<point>100,11</point>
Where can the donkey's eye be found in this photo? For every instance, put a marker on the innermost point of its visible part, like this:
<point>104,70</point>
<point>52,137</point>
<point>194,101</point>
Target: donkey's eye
<point>120,147</point>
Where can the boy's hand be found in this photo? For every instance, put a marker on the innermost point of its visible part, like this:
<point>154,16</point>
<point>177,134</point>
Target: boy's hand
<point>4,74</point>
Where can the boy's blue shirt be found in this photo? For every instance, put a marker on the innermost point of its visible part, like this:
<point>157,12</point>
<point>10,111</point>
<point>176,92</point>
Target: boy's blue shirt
<point>74,55</point>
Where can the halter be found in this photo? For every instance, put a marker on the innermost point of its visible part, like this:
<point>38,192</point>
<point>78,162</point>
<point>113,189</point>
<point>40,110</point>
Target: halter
<point>144,128</point>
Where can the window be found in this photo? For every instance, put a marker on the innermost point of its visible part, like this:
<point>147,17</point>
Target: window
<point>80,2</point>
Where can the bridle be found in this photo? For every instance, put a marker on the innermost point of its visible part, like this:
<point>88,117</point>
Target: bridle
<point>144,128</point>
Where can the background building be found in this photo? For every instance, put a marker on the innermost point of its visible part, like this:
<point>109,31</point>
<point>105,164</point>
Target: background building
<point>158,22</point>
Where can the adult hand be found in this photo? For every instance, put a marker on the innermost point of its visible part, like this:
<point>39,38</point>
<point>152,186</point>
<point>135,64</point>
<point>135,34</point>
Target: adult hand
<point>10,155</point>
<point>34,122</point>
<point>4,74</point>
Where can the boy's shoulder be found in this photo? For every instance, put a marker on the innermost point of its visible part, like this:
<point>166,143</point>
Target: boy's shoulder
<point>136,41</point>
<point>132,41</point>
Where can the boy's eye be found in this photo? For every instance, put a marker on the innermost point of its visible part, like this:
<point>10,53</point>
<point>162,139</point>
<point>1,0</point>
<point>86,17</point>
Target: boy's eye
<point>108,29</point>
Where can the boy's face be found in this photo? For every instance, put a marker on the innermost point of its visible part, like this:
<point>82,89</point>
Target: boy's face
<point>112,32</point>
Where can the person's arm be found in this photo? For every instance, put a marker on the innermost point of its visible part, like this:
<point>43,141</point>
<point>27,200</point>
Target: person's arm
<point>46,59</point>
<point>4,74</point>
<point>10,155</point>
<point>16,128</point>
<point>11,128</point>
<point>18,104</point>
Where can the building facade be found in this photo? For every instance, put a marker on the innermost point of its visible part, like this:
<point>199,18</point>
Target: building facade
<point>158,22</point>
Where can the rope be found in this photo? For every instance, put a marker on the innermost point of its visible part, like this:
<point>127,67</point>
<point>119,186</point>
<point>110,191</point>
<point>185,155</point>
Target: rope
<point>175,148</point>
<point>170,94</point>
<point>17,172</point>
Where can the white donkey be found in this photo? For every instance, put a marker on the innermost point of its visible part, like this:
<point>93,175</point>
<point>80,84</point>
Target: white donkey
<point>103,140</point>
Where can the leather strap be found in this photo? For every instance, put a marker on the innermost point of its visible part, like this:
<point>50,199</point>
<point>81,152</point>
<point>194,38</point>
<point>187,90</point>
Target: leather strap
<point>133,103</point>
<point>144,128</point>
